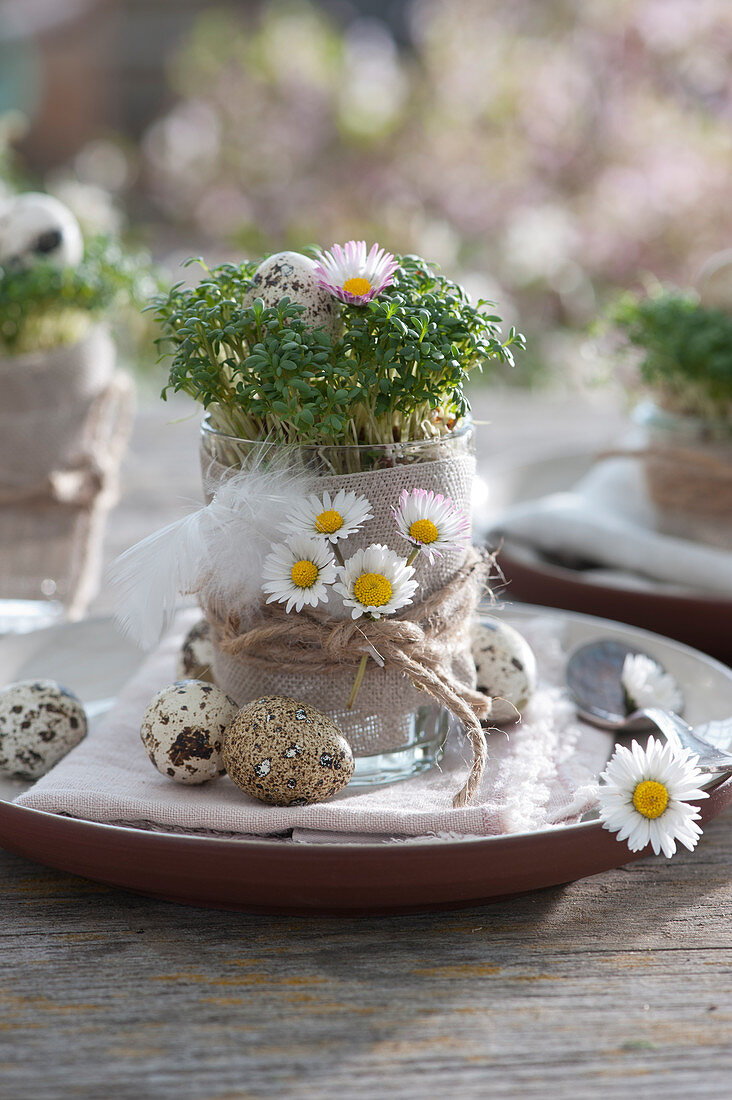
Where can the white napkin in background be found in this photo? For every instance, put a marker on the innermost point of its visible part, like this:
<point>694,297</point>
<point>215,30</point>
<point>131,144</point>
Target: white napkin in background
<point>542,773</point>
<point>608,518</point>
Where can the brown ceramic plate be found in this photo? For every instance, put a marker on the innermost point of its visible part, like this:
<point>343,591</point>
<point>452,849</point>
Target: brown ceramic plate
<point>698,620</point>
<point>281,876</point>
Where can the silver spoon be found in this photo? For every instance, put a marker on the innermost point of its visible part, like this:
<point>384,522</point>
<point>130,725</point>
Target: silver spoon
<point>594,678</point>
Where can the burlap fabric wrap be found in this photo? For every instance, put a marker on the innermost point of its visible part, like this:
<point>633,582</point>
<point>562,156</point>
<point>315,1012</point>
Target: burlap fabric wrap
<point>691,485</point>
<point>65,418</point>
<point>382,719</point>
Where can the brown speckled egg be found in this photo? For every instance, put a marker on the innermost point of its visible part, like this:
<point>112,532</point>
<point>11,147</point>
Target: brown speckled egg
<point>40,721</point>
<point>183,730</point>
<point>292,275</point>
<point>196,657</point>
<point>286,753</point>
<point>506,669</point>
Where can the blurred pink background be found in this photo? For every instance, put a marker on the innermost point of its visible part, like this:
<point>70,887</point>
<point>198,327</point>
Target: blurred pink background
<point>544,153</point>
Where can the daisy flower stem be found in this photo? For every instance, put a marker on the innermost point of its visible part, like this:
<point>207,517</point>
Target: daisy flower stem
<point>338,554</point>
<point>413,555</point>
<point>357,682</point>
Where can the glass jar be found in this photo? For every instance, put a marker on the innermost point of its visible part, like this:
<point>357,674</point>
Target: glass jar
<point>233,453</point>
<point>394,730</point>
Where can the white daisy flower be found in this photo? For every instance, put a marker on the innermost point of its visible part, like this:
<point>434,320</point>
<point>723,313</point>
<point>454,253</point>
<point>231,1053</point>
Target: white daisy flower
<point>298,572</point>
<point>331,517</point>
<point>375,582</point>
<point>431,522</point>
<point>646,793</point>
<point>353,275</point>
<point>647,685</point>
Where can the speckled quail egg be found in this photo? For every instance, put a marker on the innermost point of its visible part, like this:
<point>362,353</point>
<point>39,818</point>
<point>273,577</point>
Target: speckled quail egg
<point>37,227</point>
<point>183,730</point>
<point>506,669</point>
<point>40,721</point>
<point>292,275</point>
<point>196,657</point>
<point>286,753</point>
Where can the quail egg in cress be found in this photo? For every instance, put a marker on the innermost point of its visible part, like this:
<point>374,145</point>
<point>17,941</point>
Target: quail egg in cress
<point>38,228</point>
<point>292,275</point>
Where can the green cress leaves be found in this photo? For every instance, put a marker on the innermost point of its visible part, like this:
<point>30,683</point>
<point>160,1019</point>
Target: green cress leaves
<point>685,349</point>
<point>397,372</point>
<point>44,306</point>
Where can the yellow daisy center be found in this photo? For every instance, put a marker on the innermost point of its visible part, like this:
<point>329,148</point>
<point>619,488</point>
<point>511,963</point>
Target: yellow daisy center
<point>304,574</point>
<point>328,522</point>
<point>650,798</point>
<point>372,590</point>
<point>424,530</point>
<point>357,285</point>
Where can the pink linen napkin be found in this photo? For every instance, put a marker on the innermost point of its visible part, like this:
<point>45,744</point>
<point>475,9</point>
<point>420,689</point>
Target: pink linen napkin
<point>536,774</point>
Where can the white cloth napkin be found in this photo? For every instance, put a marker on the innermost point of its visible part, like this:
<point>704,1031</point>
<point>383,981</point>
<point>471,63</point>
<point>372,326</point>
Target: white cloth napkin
<point>536,775</point>
<point>608,518</point>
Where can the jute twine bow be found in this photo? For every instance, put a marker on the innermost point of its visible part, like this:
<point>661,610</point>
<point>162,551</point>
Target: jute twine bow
<point>419,644</point>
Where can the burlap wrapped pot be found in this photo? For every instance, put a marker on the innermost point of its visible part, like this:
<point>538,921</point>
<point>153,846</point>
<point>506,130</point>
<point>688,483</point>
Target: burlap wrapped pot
<point>65,417</point>
<point>388,705</point>
<point>688,470</point>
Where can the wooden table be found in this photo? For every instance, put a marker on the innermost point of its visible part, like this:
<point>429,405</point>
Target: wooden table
<point>617,986</point>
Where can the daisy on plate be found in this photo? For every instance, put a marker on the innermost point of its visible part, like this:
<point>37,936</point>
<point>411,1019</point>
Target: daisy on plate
<point>646,793</point>
<point>646,684</point>
<point>298,572</point>
<point>352,274</point>
<point>375,582</point>
<point>329,517</point>
<point>430,522</point>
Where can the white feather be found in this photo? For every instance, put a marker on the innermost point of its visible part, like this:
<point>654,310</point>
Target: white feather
<point>148,577</point>
<point>217,551</point>
<point>245,519</point>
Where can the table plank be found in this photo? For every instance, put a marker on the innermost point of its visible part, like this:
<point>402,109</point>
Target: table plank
<point>620,981</point>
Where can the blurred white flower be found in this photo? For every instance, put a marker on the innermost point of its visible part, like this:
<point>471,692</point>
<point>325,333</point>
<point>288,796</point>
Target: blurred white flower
<point>539,241</point>
<point>372,97</point>
<point>647,685</point>
<point>93,207</point>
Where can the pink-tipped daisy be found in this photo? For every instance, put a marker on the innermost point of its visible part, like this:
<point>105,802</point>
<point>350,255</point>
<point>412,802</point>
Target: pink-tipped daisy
<point>354,276</point>
<point>431,522</point>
